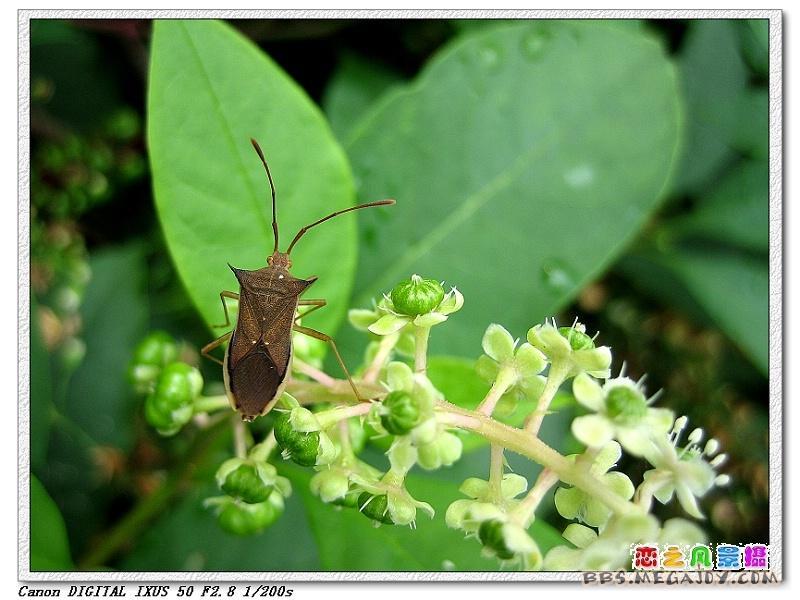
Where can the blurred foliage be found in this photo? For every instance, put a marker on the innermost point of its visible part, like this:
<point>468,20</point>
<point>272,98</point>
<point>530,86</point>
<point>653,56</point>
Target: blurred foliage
<point>614,171</point>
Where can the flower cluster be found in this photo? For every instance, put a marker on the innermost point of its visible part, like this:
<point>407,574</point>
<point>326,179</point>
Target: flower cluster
<point>416,425</point>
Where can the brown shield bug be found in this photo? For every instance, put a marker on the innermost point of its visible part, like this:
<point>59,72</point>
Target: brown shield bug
<point>258,358</point>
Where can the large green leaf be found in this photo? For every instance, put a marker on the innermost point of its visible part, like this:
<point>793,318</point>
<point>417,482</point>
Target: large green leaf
<point>714,80</point>
<point>49,547</point>
<point>210,91</point>
<point>755,43</point>
<point>114,312</point>
<point>348,541</point>
<point>730,287</point>
<point>353,87</point>
<point>735,211</point>
<point>523,158</point>
<point>734,289</point>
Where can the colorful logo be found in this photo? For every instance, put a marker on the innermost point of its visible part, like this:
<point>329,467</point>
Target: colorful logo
<point>700,557</point>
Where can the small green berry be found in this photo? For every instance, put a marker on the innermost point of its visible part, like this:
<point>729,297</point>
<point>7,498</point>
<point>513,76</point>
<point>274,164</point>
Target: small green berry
<point>169,406</point>
<point>302,448</point>
<point>245,484</point>
<point>150,356</point>
<point>375,508</point>
<point>402,414</point>
<point>626,405</point>
<point>158,348</point>
<point>491,535</point>
<point>417,296</point>
<point>247,519</point>
<point>177,384</point>
<point>349,500</point>
<point>578,340</point>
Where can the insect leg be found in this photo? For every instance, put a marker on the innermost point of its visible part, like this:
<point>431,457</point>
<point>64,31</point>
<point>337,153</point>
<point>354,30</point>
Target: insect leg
<point>222,295</point>
<point>215,344</point>
<point>314,303</point>
<point>326,338</point>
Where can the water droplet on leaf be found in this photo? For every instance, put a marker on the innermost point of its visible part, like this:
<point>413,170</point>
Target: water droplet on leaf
<point>580,176</point>
<point>556,277</point>
<point>489,56</point>
<point>534,44</point>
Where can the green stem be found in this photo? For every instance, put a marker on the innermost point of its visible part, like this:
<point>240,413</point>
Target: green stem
<point>311,392</point>
<point>524,512</point>
<point>528,445</point>
<point>387,344</point>
<point>316,374</point>
<point>506,377</point>
<point>558,373</point>
<point>208,404</point>
<point>128,529</point>
<point>334,415</point>
<point>260,452</point>
<point>239,436</point>
<point>496,473</point>
<point>421,335</point>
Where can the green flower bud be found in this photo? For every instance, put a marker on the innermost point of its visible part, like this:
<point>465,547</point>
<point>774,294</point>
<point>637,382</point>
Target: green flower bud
<point>349,500</point>
<point>330,485</point>
<point>306,448</point>
<point>245,483</point>
<point>578,340</point>
<point>444,450</point>
<point>491,535</point>
<point>158,348</point>
<point>402,414</point>
<point>72,352</point>
<point>626,405</point>
<point>165,420</point>
<point>417,296</point>
<point>240,518</point>
<point>375,508</point>
<point>150,356</point>
<point>402,510</point>
<point>169,406</point>
<point>179,384</point>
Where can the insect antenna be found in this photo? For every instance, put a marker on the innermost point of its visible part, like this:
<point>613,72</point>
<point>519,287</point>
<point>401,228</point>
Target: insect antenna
<point>335,214</point>
<point>272,187</point>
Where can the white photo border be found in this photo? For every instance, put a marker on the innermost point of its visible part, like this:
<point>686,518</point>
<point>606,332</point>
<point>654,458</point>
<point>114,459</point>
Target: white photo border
<point>776,483</point>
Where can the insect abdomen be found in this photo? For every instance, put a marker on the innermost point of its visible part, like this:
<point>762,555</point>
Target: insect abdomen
<point>255,382</point>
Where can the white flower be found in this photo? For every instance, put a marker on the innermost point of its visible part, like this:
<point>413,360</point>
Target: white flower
<point>570,350</point>
<point>509,542</point>
<point>519,366</point>
<point>467,515</point>
<point>621,412</point>
<point>574,503</point>
<point>609,551</point>
<point>688,472</point>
